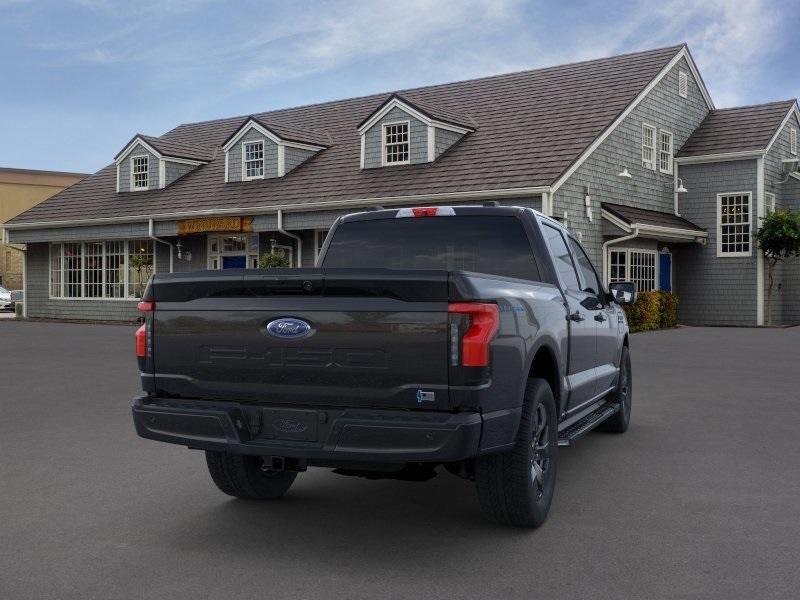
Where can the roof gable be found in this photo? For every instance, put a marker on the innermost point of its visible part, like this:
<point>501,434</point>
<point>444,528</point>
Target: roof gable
<point>167,149</point>
<point>280,134</point>
<point>739,129</point>
<point>420,110</point>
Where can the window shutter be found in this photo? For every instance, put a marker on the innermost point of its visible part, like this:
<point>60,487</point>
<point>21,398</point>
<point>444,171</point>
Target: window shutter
<point>683,84</point>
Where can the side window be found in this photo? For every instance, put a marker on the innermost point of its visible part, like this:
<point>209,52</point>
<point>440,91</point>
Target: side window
<point>585,267</point>
<point>561,257</point>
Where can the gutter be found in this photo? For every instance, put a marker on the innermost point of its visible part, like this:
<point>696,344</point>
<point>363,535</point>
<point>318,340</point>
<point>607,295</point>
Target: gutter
<point>293,236</point>
<point>261,210</point>
<point>151,235</point>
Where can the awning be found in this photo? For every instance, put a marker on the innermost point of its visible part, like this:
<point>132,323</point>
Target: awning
<point>653,223</point>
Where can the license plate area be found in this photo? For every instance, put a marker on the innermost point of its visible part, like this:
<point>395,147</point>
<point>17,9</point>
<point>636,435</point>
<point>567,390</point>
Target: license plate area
<point>290,424</point>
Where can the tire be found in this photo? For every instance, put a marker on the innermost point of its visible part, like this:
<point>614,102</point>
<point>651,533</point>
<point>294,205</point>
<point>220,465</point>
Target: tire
<point>509,489</point>
<point>242,476</point>
<point>623,395</point>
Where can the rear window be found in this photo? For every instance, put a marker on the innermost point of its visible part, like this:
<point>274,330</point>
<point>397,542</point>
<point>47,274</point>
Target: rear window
<point>485,244</point>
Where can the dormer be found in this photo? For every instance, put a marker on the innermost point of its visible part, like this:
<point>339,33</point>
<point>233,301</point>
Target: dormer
<point>402,132</point>
<point>259,150</point>
<point>150,163</point>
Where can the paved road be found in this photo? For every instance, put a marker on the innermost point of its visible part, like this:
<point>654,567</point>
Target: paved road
<point>700,499</point>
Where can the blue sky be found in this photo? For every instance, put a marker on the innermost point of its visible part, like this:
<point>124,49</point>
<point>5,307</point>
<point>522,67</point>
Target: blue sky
<point>79,78</point>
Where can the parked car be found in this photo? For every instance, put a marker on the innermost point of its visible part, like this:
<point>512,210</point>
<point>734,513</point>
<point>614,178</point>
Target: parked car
<point>6,303</point>
<point>477,338</point>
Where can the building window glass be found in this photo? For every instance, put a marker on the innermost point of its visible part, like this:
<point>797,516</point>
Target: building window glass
<point>665,152</point>
<point>683,84</point>
<point>140,172</point>
<point>648,146</point>
<point>638,266</point>
<point>97,270</point>
<point>319,239</point>
<point>253,160</point>
<point>733,234</point>
<point>396,144</point>
<point>233,251</point>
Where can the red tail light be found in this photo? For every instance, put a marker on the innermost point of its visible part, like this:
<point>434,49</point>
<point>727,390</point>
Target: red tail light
<point>484,322</point>
<point>141,342</point>
<point>146,306</point>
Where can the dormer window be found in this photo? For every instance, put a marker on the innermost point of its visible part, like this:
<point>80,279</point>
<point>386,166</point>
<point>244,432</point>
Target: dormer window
<point>395,143</point>
<point>140,176</point>
<point>253,160</point>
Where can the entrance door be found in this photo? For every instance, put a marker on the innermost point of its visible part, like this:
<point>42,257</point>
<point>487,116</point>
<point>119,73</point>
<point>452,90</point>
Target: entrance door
<point>665,271</point>
<point>234,262</point>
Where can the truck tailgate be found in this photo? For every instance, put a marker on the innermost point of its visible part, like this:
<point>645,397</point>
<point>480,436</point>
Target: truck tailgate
<point>375,338</point>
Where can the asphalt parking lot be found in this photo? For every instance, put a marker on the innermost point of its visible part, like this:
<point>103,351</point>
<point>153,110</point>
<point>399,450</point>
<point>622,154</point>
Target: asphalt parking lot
<point>700,499</point>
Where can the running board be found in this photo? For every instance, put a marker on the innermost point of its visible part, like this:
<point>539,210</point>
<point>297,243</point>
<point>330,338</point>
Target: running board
<point>580,428</point>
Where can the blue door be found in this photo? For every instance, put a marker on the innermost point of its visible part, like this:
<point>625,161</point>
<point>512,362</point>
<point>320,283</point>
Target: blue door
<point>234,262</point>
<point>665,272</point>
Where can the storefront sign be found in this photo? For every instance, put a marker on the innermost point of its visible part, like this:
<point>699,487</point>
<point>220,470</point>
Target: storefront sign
<point>209,224</point>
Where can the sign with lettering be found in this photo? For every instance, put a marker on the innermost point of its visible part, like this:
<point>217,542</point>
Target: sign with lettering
<point>209,224</point>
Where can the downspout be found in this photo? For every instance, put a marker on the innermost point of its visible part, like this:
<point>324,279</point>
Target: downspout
<point>675,187</point>
<point>293,236</point>
<point>633,234</point>
<point>151,235</point>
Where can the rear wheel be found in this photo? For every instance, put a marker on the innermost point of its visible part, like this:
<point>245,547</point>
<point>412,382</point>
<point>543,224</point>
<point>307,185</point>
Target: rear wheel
<point>622,394</point>
<point>516,487</point>
<point>247,477</point>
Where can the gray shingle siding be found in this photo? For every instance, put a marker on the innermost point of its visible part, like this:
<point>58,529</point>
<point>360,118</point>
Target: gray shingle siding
<point>294,157</point>
<point>714,290</point>
<point>174,171</point>
<point>125,169</point>
<point>40,305</point>
<point>80,234</point>
<point>786,288</point>
<point>418,139</point>
<point>648,189</point>
<point>443,140</point>
<point>270,156</point>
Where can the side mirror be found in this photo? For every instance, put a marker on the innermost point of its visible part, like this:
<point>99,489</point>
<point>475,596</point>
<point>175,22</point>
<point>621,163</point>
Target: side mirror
<point>623,292</point>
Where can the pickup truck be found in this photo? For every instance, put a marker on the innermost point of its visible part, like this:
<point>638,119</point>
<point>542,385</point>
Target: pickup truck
<point>475,338</point>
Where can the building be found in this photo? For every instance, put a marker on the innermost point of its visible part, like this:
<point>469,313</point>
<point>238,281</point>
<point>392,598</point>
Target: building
<point>21,189</point>
<point>629,152</point>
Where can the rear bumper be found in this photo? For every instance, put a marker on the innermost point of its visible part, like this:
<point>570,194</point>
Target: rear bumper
<point>325,434</point>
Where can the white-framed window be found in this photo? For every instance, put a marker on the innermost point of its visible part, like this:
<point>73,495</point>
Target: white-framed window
<point>638,266</point>
<point>683,84</point>
<point>396,144</point>
<point>769,199</point>
<point>734,219</point>
<point>665,152</point>
<point>140,172</point>
<point>113,270</point>
<point>253,160</point>
<point>648,146</point>
<point>792,140</point>
<point>319,239</point>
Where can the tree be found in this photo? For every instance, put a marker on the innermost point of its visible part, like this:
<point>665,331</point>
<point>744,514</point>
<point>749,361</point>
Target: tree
<point>142,264</point>
<point>779,238</point>
<point>273,261</point>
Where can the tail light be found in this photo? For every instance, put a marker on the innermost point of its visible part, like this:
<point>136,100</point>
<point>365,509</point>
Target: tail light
<point>426,211</point>
<point>141,342</point>
<point>483,323</point>
<point>146,306</point>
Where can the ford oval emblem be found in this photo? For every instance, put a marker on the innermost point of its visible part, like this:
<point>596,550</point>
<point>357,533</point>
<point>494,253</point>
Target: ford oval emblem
<point>288,328</point>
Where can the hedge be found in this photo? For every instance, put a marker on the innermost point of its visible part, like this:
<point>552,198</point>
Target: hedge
<point>653,310</point>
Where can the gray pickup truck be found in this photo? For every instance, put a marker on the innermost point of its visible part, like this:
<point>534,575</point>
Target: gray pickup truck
<point>478,338</point>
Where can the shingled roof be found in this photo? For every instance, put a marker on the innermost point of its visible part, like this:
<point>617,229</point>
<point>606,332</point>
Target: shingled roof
<point>173,148</point>
<point>530,127</point>
<point>740,129</point>
<point>641,216</point>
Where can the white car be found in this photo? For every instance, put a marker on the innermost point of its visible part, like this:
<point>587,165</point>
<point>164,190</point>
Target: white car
<point>5,299</point>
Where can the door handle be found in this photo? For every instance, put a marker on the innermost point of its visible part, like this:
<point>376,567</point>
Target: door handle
<point>576,316</point>
<point>600,317</point>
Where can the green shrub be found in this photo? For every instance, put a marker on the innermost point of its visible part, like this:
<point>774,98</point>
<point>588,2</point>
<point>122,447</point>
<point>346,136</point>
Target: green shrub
<point>273,261</point>
<point>669,309</point>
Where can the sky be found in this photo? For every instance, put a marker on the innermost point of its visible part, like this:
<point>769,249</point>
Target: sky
<point>80,78</point>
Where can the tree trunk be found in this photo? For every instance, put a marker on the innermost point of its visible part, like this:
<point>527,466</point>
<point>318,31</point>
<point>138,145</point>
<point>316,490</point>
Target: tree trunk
<point>770,269</point>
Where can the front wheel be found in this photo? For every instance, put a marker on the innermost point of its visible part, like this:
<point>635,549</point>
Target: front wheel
<point>247,477</point>
<point>516,487</point>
